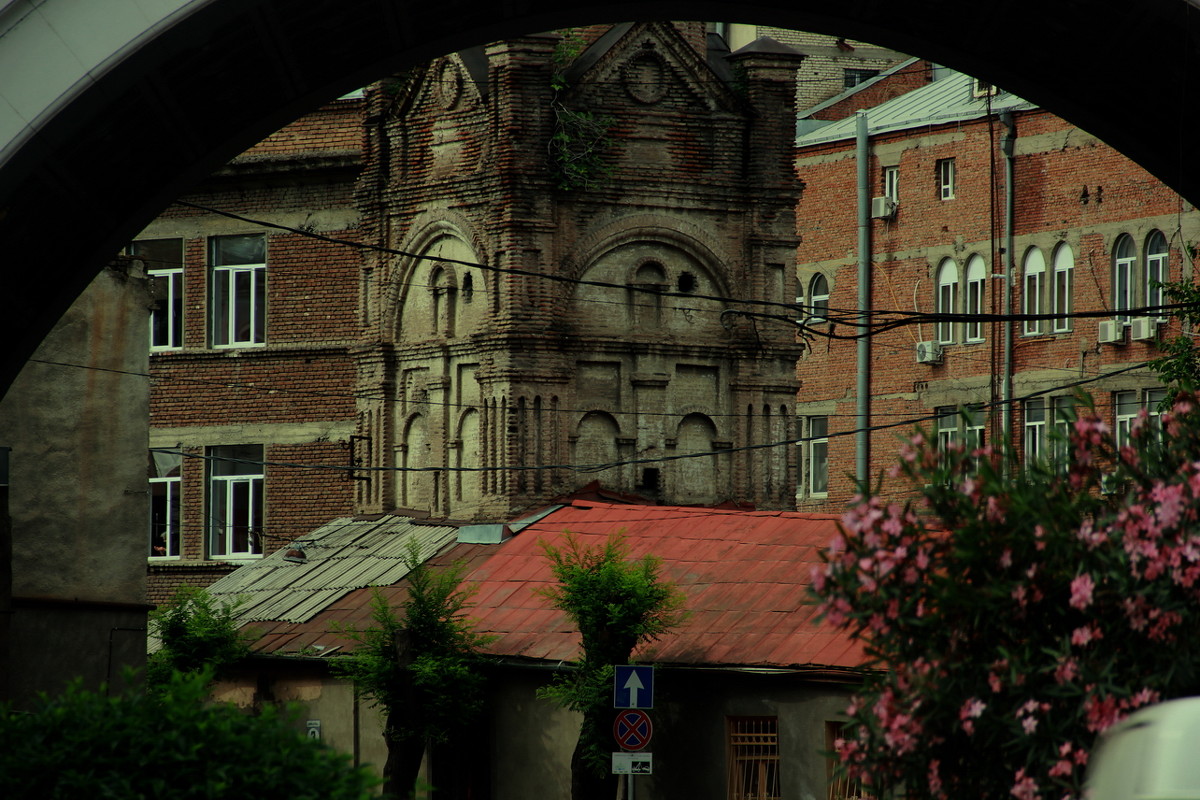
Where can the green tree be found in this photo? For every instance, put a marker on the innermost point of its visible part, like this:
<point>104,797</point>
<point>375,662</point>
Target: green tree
<point>1179,365</point>
<point>617,604</point>
<point>1012,621</point>
<point>197,632</point>
<point>169,744</point>
<point>421,667</point>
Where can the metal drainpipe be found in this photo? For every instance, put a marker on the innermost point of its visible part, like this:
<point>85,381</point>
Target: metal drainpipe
<point>862,440</point>
<point>1007,147</point>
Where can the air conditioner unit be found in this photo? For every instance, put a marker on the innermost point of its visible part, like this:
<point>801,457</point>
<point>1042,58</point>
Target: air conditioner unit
<point>1112,331</point>
<point>1142,328</point>
<point>929,352</point>
<point>883,208</point>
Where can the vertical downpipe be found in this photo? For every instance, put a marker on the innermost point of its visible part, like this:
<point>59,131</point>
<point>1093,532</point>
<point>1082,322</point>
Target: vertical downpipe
<point>1007,146</point>
<point>862,440</point>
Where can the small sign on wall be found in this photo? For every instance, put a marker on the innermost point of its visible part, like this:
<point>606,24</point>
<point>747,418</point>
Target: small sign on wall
<point>314,729</point>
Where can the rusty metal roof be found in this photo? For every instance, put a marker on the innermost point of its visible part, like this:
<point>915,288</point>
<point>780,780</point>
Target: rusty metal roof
<point>745,575</point>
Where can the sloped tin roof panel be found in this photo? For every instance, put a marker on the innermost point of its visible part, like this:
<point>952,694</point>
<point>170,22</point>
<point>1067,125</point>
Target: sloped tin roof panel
<point>344,555</point>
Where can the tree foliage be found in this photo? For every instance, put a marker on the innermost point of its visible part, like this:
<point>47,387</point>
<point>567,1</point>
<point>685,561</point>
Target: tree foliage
<point>617,604</point>
<point>197,632</point>
<point>421,666</point>
<point>169,744</point>
<point>1179,365</point>
<point>1014,620</point>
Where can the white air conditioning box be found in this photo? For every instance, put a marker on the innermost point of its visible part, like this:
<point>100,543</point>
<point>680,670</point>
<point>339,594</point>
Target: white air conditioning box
<point>1112,331</point>
<point>883,208</point>
<point>929,352</point>
<point>1142,328</point>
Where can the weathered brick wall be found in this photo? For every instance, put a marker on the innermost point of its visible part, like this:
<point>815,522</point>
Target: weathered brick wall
<point>1053,165</point>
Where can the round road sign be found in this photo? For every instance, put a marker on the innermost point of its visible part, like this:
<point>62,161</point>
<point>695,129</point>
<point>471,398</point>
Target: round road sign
<point>632,729</point>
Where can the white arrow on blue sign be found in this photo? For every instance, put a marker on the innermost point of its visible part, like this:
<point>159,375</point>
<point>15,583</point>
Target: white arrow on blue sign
<point>633,687</point>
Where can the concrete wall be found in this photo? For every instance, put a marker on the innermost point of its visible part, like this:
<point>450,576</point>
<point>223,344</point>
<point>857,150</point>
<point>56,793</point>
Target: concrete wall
<point>76,422</point>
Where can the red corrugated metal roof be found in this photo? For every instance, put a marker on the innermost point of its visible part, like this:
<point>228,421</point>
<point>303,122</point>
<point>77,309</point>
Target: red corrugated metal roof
<point>745,576</point>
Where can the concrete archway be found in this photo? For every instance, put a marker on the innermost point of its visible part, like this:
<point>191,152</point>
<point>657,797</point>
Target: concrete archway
<point>110,109</point>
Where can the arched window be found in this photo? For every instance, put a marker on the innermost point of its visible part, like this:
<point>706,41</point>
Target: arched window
<point>976,285</point>
<point>1156,273</point>
<point>1063,287</point>
<point>947,299</point>
<point>1034,269</point>
<point>818,299</point>
<point>1124,267</point>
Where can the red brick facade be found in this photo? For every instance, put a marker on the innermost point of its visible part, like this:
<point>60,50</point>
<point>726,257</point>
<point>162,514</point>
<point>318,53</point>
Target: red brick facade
<point>1073,196</point>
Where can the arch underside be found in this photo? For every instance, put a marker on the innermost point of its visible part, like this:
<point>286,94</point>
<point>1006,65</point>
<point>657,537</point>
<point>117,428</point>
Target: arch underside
<point>85,178</point>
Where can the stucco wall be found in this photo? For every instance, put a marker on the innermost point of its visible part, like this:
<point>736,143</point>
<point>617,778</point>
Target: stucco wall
<point>76,420</point>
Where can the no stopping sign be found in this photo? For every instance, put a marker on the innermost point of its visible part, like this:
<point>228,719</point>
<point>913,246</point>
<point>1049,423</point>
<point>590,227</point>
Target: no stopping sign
<point>632,729</point>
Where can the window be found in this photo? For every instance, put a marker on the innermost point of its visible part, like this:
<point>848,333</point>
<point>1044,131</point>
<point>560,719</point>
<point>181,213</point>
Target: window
<point>1034,270</point>
<point>818,299</point>
<point>840,786</point>
<point>1035,429</point>
<point>1156,274</point>
<point>945,178</point>
<point>816,451</point>
<point>236,501</point>
<point>960,424</point>
<point>164,266</point>
<point>239,290</point>
<point>754,758</point>
<point>1126,407</point>
<point>947,299</point>
<point>947,427</point>
<point>165,532</point>
<point>1063,415</point>
<point>1064,271</point>
<point>974,420</point>
<point>1124,265</point>
<point>976,284</point>
<point>891,183</point>
<point>853,77</point>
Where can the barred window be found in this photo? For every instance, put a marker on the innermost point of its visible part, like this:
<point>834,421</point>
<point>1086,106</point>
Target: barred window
<point>754,758</point>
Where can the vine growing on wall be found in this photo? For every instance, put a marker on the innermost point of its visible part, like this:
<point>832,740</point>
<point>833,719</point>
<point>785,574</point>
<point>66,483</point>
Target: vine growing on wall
<point>580,139</point>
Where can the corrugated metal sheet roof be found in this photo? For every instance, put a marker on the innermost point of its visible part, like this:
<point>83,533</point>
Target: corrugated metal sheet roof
<point>942,102</point>
<point>745,576</point>
<point>342,556</point>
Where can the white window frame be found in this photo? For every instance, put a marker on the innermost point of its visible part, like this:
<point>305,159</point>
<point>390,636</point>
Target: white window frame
<point>1062,415</point>
<point>1063,287</point>
<point>1033,270</point>
<point>818,299</point>
<point>238,295</point>
<point>1124,280</point>
<point>1157,263</point>
<point>891,183</point>
<point>947,299</point>
<point>236,474</point>
<point>816,451</point>
<point>945,178</point>
<point>1035,430</point>
<point>166,274</point>
<point>976,288</point>
<point>165,527</point>
<point>1126,406</point>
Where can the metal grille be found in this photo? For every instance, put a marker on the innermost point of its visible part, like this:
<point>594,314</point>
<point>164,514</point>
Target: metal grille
<point>840,787</point>
<point>754,758</point>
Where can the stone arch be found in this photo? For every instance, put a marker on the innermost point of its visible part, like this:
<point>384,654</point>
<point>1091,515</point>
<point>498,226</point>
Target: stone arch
<point>424,288</point>
<point>76,155</point>
<point>415,486</point>
<point>595,442</point>
<point>467,484</point>
<point>695,480</point>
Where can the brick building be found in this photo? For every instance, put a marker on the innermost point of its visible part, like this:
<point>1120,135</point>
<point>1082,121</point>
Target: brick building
<point>1086,229</point>
<point>251,343</point>
<point>496,321</point>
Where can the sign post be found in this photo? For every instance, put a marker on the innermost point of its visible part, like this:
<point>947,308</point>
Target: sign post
<point>633,690</point>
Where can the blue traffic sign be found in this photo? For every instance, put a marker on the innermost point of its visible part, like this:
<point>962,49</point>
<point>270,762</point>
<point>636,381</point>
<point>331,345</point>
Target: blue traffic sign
<point>633,687</point>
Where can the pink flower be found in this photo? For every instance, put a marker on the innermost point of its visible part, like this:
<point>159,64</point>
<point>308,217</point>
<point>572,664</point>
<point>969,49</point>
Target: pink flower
<point>1067,671</point>
<point>1024,787</point>
<point>1081,591</point>
<point>1084,635</point>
